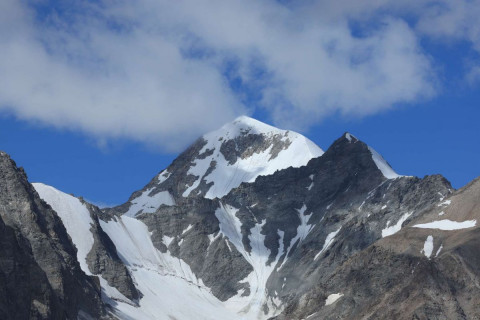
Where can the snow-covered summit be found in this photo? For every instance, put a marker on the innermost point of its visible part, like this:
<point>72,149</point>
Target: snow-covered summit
<point>220,161</point>
<point>241,126</point>
<point>244,149</point>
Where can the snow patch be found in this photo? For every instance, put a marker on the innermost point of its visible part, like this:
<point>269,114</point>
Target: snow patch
<point>428,247</point>
<point>328,241</point>
<point>333,298</point>
<point>167,240</point>
<point>348,137</point>
<point>162,177</point>
<point>444,203</point>
<point>388,231</point>
<point>212,237</point>
<point>447,225</point>
<point>439,250</point>
<point>190,226</point>
<point>149,204</point>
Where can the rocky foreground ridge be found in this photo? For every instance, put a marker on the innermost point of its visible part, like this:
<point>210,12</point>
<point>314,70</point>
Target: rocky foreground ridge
<point>250,222</point>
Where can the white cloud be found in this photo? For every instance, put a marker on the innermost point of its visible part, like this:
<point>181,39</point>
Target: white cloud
<point>155,70</point>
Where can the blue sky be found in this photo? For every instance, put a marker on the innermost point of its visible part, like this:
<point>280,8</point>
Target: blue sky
<point>97,98</point>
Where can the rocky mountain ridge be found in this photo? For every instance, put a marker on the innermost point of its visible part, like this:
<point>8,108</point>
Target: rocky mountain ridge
<point>235,228</point>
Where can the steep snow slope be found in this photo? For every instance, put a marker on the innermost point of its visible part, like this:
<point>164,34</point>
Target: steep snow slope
<point>75,217</point>
<point>170,290</point>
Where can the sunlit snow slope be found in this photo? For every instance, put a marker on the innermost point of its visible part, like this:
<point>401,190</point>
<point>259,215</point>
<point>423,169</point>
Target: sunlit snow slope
<point>169,288</point>
<point>221,160</point>
<point>280,149</point>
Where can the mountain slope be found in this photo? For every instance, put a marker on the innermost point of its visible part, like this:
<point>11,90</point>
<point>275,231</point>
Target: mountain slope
<point>96,253</point>
<point>429,269</point>
<point>31,226</point>
<point>252,222</point>
<point>221,160</point>
<point>266,243</point>
<point>137,280</point>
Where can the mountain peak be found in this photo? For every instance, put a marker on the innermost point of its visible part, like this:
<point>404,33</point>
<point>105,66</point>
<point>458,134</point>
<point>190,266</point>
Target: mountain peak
<point>242,150</point>
<point>221,160</point>
<point>243,125</point>
<point>349,145</point>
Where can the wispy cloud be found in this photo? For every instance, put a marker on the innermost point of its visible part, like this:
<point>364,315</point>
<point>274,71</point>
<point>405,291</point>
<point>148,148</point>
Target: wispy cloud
<point>163,72</point>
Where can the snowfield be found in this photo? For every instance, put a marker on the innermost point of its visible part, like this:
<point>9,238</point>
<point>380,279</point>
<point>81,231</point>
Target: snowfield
<point>170,289</point>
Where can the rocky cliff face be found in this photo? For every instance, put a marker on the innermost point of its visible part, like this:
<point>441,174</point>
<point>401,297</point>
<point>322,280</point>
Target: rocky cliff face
<point>19,299</point>
<point>96,253</point>
<point>253,222</point>
<point>427,270</point>
<point>38,246</point>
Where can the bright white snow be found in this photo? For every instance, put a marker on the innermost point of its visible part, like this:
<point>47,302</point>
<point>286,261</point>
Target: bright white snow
<point>226,176</point>
<point>163,176</point>
<point>149,204</point>
<point>328,241</point>
<point>439,250</point>
<point>75,217</point>
<point>444,203</point>
<point>447,225</point>
<point>382,165</point>
<point>348,136</point>
<point>428,247</point>
<point>250,307</point>
<point>390,230</point>
<point>333,298</point>
<point>169,287</point>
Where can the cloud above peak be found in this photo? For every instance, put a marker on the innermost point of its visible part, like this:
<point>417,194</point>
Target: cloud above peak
<point>164,72</point>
